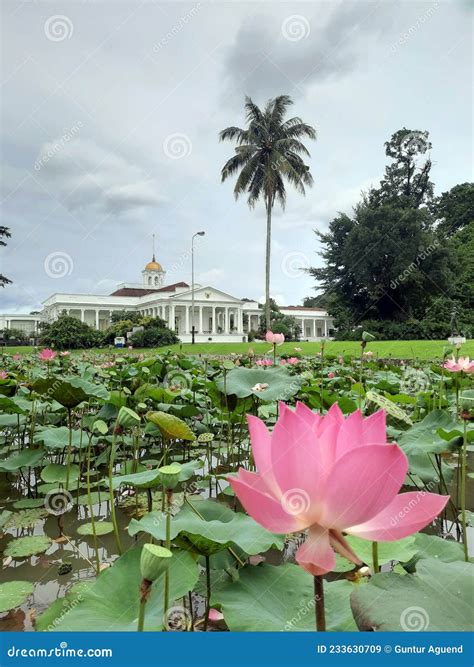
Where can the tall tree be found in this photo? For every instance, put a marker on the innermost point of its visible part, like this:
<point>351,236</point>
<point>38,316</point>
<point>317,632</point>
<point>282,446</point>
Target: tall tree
<point>454,210</point>
<point>268,153</point>
<point>407,177</point>
<point>4,233</point>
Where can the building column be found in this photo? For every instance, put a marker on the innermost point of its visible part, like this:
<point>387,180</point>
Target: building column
<point>97,319</point>
<point>240,320</point>
<point>214,329</point>
<point>82,314</point>
<point>226,323</point>
<point>325,328</point>
<point>171,317</point>
<point>200,319</point>
<point>315,330</point>
<point>186,320</point>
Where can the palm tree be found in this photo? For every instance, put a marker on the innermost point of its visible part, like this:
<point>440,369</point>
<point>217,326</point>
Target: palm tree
<point>267,153</point>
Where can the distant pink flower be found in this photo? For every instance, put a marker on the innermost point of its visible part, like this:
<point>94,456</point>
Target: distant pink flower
<point>3,375</point>
<point>293,360</point>
<point>130,347</point>
<point>283,362</point>
<point>65,353</point>
<point>333,476</point>
<point>264,362</point>
<point>16,357</point>
<point>331,375</point>
<point>47,355</point>
<point>369,354</point>
<point>462,364</point>
<point>297,349</point>
<point>341,360</point>
<point>274,338</point>
<point>108,364</point>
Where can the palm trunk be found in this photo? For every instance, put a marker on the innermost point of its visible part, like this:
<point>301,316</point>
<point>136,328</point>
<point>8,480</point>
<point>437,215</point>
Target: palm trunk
<point>267,264</point>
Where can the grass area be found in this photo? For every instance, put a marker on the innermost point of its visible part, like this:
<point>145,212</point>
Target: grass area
<point>425,350</point>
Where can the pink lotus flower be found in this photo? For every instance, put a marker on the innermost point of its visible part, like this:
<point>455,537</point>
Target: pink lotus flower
<point>130,347</point>
<point>293,360</point>
<point>333,476</point>
<point>65,353</point>
<point>215,616</point>
<point>264,362</point>
<point>368,354</point>
<point>341,360</point>
<point>274,338</point>
<point>283,362</point>
<point>16,357</point>
<point>47,355</point>
<point>330,375</point>
<point>462,364</point>
<point>3,375</point>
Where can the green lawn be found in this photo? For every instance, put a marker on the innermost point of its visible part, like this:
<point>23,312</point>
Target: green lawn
<point>400,349</point>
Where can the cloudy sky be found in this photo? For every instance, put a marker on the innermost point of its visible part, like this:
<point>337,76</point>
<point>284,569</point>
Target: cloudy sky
<point>110,121</point>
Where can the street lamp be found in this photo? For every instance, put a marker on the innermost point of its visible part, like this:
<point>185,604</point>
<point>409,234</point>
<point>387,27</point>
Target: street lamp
<point>192,283</point>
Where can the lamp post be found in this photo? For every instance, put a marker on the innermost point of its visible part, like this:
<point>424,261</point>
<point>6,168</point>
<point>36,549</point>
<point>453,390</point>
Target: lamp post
<point>192,283</point>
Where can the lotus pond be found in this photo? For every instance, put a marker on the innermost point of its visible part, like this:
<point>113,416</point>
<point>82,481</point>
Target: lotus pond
<point>170,492</point>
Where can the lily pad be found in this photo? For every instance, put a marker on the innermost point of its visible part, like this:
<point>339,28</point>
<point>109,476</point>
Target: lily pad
<point>171,427</point>
<point>436,598</point>
<point>423,437</point>
<point>28,503</point>
<point>58,437</point>
<point>267,598</point>
<point>25,459</point>
<point>26,518</point>
<point>24,547</point>
<point>277,383</point>
<point>101,528</point>
<point>400,550</point>
<point>219,528</point>
<point>13,594</point>
<point>55,472</point>
<point>111,603</point>
<point>70,391</point>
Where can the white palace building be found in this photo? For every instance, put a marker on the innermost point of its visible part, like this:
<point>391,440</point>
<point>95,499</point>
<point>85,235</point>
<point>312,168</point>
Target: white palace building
<point>217,316</point>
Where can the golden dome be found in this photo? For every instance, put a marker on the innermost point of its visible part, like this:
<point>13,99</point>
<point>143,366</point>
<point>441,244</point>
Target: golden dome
<point>153,265</point>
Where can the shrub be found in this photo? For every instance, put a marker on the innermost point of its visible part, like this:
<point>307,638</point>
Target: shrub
<point>70,333</point>
<point>154,336</point>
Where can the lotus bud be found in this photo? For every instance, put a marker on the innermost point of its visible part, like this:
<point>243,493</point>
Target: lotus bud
<point>154,561</point>
<point>169,475</point>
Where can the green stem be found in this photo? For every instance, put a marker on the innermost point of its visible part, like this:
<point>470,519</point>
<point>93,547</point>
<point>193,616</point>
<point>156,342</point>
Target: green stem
<point>375,557</point>
<point>319,600</point>
<point>208,589</point>
<point>166,595</point>
<point>89,503</point>
<point>111,495</point>
<point>141,615</point>
<point>463,492</point>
